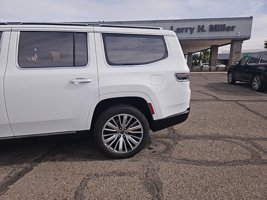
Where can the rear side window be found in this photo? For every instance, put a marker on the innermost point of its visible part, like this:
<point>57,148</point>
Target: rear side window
<point>264,58</point>
<point>254,59</point>
<point>52,49</point>
<point>0,38</point>
<point>128,49</point>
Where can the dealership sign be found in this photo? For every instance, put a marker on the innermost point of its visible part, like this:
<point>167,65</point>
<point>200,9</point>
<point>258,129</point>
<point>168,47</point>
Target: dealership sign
<point>203,28</point>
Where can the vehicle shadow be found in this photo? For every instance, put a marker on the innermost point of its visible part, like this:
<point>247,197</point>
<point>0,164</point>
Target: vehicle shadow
<point>80,147</point>
<point>248,86</point>
<point>69,147</point>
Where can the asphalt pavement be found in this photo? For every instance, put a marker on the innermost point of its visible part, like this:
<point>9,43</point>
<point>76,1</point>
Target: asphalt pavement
<point>220,152</point>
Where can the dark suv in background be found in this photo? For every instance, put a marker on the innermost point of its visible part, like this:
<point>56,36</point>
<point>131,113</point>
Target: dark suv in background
<point>251,69</point>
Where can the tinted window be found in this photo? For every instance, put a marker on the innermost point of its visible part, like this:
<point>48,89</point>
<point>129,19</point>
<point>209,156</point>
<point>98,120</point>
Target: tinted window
<point>244,60</point>
<point>254,59</point>
<point>80,49</point>
<point>122,49</point>
<point>0,41</point>
<point>52,49</point>
<point>264,58</point>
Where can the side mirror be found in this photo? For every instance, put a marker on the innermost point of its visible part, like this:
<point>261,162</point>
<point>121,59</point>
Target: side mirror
<point>237,62</point>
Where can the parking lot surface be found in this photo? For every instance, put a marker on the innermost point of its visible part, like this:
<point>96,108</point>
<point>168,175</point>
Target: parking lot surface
<point>220,152</point>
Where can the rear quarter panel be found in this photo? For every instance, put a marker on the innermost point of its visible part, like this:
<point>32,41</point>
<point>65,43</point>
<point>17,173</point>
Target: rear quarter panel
<point>155,82</point>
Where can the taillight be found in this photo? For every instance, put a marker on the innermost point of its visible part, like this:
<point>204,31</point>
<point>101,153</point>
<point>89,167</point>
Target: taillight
<point>182,77</point>
<point>151,108</point>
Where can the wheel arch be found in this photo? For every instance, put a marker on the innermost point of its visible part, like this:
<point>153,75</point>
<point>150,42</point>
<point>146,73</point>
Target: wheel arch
<point>260,73</point>
<point>137,102</point>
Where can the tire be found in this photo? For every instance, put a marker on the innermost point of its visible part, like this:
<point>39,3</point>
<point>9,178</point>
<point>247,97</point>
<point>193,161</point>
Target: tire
<point>256,83</point>
<point>231,78</point>
<point>121,131</point>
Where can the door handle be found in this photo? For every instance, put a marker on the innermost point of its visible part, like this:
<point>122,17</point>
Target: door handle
<point>77,81</point>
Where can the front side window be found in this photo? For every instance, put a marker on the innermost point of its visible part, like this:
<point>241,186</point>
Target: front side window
<point>130,49</point>
<point>254,59</point>
<point>52,49</point>
<point>264,58</point>
<point>244,60</point>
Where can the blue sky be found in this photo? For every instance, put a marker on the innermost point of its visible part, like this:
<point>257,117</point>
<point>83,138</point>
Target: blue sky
<point>105,10</point>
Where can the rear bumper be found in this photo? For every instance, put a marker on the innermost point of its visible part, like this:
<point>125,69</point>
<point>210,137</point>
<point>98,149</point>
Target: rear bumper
<point>160,124</point>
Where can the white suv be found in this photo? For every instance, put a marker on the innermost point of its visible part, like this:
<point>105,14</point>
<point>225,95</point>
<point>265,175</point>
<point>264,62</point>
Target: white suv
<point>116,81</point>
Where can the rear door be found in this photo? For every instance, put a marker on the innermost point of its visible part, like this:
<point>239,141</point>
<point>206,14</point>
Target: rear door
<point>5,129</point>
<point>51,81</point>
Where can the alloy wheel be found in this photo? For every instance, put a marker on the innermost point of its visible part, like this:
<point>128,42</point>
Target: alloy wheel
<point>122,133</point>
<point>256,83</point>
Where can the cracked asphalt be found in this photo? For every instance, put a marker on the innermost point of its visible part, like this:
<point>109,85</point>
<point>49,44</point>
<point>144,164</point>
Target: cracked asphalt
<point>220,152</point>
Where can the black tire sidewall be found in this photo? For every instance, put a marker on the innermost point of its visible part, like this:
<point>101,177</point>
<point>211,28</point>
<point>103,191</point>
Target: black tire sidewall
<point>109,113</point>
<point>232,81</point>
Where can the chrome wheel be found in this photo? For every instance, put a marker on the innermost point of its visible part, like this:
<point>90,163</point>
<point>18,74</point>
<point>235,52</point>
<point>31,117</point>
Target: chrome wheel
<point>256,83</point>
<point>122,133</point>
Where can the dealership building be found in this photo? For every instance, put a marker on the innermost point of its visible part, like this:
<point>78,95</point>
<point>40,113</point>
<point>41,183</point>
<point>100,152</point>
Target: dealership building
<point>199,34</point>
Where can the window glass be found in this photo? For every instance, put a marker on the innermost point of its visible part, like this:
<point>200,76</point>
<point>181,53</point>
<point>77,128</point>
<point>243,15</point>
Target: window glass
<point>80,49</point>
<point>254,59</point>
<point>52,49</point>
<point>0,39</point>
<point>125,49</point>
<point>264,58</point>
<point>244,60</point>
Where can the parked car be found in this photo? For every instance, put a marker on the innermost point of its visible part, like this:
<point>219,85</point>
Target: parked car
<point>115,81</point>
<point>220,66</point>
<point>251,69</point>
<point>205,66</point>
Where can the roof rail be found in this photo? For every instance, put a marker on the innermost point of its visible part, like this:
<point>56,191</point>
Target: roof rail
<point>80,24</point>
<point>129,26</point>
<point>47,23</point>
<point>10,23</point>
